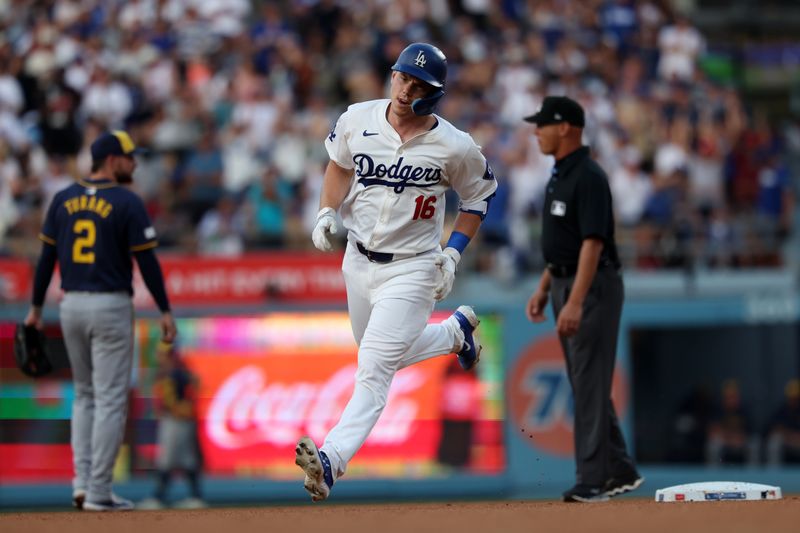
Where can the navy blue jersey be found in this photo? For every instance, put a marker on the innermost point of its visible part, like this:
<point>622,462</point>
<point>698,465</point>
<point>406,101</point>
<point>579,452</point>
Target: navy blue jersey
<point>95,227</point>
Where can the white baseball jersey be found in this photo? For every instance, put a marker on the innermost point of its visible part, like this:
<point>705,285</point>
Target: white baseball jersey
<point>396,201</point>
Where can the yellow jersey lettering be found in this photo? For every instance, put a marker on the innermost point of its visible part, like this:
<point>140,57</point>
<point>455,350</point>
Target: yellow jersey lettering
<point>100,207</point>
<point>88,203</point>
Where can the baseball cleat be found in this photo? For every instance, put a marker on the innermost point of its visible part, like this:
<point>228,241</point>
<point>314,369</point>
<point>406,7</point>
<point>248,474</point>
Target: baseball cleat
<point>317,468</point>
<point>151,504</point>
<point>585,494</point>
<point>78,497</point>
<point>620,485</point>
<point>192,502</point>
<point>116,503</point>
<point>471,349</point>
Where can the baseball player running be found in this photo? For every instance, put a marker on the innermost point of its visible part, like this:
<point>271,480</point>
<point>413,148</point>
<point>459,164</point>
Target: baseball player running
<point>391,162</point>
<point>92,228</point>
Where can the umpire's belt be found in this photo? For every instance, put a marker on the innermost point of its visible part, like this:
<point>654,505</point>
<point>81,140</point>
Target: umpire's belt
<point>381,257</point>
<point>562,271</point>
<point>566,271</point>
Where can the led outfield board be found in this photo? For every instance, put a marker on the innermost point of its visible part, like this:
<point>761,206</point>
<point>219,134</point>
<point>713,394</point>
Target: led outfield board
<point>264,381</point>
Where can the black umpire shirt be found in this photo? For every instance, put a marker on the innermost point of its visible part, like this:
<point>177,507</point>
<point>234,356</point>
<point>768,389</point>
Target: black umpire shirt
<point>577,205</point>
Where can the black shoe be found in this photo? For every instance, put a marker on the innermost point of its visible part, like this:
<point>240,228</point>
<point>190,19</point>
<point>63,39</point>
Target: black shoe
<point>585,494</point>
<point>621,484</point>
<point>78,497</point>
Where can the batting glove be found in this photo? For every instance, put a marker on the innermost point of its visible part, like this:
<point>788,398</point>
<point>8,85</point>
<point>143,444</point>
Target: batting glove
<point>326,226</point>
<point>446,263</point>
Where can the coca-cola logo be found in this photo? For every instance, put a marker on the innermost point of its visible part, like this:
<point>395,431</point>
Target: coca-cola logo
<point>247,409</point>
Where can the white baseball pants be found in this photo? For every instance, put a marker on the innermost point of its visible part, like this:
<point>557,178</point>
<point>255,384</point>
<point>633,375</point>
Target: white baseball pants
<point>389,306</point>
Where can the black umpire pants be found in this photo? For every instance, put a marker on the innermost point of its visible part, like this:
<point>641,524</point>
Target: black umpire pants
<point>590,357</point>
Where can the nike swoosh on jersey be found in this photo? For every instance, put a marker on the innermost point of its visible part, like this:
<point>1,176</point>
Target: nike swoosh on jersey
<point>368,134</point>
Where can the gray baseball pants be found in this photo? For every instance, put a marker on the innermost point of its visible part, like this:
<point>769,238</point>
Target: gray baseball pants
<point>98,333</point>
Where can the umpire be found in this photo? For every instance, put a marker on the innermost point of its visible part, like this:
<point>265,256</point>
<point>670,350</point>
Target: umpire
<point>583,277</point>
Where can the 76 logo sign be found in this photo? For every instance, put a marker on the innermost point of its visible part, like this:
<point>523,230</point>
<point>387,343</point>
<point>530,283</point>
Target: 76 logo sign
<point>551,397</point>
<point>540,398</point>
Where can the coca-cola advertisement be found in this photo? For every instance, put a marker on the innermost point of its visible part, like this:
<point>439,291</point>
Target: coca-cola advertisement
<point>266,381</point>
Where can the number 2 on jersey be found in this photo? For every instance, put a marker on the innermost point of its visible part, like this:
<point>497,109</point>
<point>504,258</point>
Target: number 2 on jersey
<point>425,208</point>
<point>81,248</point>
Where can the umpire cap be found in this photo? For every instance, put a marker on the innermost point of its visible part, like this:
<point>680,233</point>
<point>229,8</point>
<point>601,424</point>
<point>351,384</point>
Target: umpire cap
<point>557,109</point>
<point>116,142</point>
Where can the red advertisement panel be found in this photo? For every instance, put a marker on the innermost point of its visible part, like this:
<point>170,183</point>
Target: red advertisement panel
<point>28,462</point>
<point>250,279</point>
<point>254,409</point>
<point>208,281</point>
<point>15,280</point>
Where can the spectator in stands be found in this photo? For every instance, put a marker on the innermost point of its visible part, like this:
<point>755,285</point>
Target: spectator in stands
<point>258,113</point>
<point>106,100</point>
<point>667,216</point>
<point>222,229</point>
<point>619,23</point>
<point>241,164</point>
<point>55,178</point>
<point>775,204</point>
<point>202,175</point>
<point>58,117</point>
<point>743,164</point>
<point>730,435</point>
<point>267,207</point>
<point>705,165</point>
<point>9,178</point>
<point>680,45</point>
<point>12,98</point>
<point>194,35</point>
<point>783,434</point>
<point>630,187</point>
<point>723,242</point>
<point>258,80</point>
<point>12,105</point>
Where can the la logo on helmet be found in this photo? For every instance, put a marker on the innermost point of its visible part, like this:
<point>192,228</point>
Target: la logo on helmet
<point>420,60</point>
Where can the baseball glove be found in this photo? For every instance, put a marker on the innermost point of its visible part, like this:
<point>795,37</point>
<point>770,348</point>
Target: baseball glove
<point>30,351</point>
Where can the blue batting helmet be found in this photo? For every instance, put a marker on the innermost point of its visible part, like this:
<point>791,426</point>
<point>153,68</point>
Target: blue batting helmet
<point>428,63</point>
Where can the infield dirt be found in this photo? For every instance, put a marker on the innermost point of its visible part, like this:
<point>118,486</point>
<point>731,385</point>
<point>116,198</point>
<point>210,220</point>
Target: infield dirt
<point>620,516</point>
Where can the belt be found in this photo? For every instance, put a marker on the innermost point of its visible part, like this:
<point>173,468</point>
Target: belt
<point>566,271</point>
<point>382,257</point>
<point>84,293</point>
<point>562,271</point>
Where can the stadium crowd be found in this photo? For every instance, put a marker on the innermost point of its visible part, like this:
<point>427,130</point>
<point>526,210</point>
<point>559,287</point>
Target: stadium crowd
<point>233,99</point>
